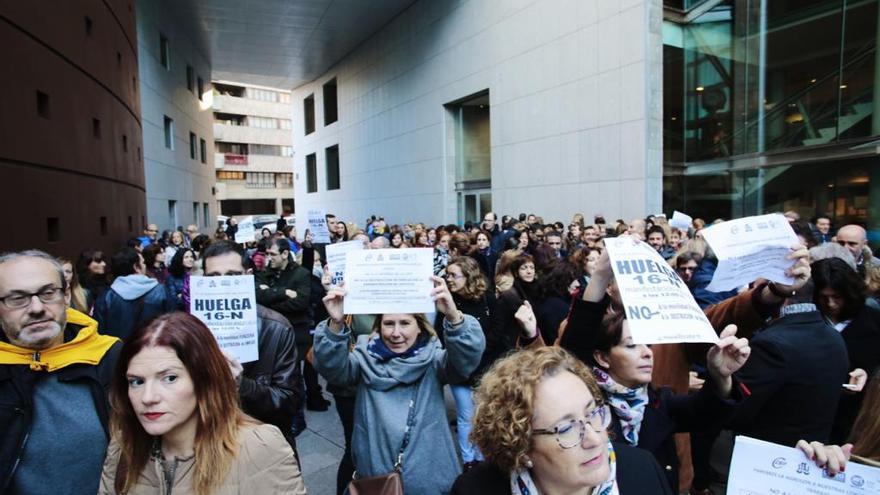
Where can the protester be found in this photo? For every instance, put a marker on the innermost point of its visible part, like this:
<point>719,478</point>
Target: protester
<point>154,260</point>
<point>542,423</point>
<point>78,296</point>
<point>175,244</point>
<point>150,233</point>
<point>182,264</point>
<point>441,253</point>
<point>176,422</point>
<point>521,298</point>
<point>91,268</point>
<point>402,363</point>
<point>54,372</point>
<point>556,289</point>
<point>823,229</point>
<point>133,297</point>
<point>657,240</point>
<point>855,238</point>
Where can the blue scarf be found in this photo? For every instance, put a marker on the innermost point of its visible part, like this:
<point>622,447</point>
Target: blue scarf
<point>628,403</point>
<point>377,348</point>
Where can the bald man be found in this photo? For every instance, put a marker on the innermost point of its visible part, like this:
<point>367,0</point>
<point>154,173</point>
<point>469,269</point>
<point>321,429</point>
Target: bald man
<point>855,239</point>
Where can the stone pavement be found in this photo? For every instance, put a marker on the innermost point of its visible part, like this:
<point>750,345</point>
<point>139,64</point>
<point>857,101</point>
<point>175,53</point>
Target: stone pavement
<point>320,448</point>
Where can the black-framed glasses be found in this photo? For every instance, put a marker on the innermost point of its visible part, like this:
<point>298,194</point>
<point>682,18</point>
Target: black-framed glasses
<point>21,299</point>
<point>571,433</point>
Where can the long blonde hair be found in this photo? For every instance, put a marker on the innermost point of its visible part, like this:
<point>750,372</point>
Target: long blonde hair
<point>78,298</point>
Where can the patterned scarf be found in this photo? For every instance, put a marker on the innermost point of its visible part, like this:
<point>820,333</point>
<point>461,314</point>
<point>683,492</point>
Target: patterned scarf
<point>377,348</point>
<point>628,404</point>
<point>521,482</point>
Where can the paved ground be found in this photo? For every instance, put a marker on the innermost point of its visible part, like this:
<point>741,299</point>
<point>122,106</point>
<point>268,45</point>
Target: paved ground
<point>320,448</point>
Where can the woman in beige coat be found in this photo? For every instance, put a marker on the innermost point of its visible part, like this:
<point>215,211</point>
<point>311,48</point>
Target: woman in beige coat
<point>176,425</point>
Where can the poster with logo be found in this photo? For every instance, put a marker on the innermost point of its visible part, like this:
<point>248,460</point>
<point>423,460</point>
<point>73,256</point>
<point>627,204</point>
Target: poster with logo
<point>659,306</point>
<point>228,306</point>
<point>764,468</point>
<point>336,254</point>
<point>749,248</point>
<point>382,281</point>
<point>317,225</point>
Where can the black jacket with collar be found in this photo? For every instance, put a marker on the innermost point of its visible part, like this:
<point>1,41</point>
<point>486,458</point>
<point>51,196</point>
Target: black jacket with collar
<point>297,310</point>
<point>637,474</point>
<point>270,387</point>
<point>862,339</point>
<point>16,401</point>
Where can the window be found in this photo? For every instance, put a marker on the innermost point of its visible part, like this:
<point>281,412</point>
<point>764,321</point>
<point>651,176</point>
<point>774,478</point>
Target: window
<point>169,132</point>
<point>234,148</point>
<point>195,213</point>
<point>227,175</point>
<point>124,143</point>
<point>201,88</point>
<point>330,110</point>
<point>192,145</point>
<point>311,173</point>
<point>96,128</point>
<point>190,78</point>
<point>287,151</point>
<point>119,59</point>
<point>53,229</point>
<point>42,104</point>
<point>331,157</point>
<point>284,124</point>
<point>172,212</point>
<point>283,97</point>
<point>130,223</point>
<point>263,122</point>
<point>262,94</point>
<point>164,52</point>
<point>309,113</point>
<point>103,223</point>
<point>205,214</point>
<point>284,180</point>
<point>88,25</point>
<point>260,180</point>
<point>203,147</point>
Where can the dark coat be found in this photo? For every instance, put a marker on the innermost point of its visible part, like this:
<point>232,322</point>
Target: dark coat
<point>16,407</point>
<point>550,313</point>
<point>505,329</point>
<point>637,474</point>
<point>270,388</point>
<point>297,310</point>
<point>479,309</point>
<point>795,372</point>
<point>119,317</point>
<point>862,340</point>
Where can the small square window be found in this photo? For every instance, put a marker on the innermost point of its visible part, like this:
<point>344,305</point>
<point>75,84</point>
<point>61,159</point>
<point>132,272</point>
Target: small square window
<point>119,59</point>
<point>53,229</point>
<point>125,143</point>
<point>88,25</point>
<point>96,128</point>
<point>130,223</point>
<point>103,225</point>
<point>203,146</point>
<point>42,104</point>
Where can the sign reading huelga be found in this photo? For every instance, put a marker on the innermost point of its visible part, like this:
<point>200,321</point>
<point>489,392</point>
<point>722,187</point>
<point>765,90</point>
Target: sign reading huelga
<point>228,306</point>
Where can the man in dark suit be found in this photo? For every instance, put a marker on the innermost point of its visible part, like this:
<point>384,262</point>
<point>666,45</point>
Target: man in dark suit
<point>795,376</point>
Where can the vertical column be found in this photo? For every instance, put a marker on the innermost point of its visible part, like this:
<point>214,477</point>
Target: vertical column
<point>875,116</point>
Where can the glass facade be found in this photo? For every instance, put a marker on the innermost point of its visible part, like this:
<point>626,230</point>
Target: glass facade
<point>770,105</point>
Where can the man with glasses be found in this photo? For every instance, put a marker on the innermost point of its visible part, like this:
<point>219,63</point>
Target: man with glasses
<point>192,231</point>
<point>271,387</point>
<point>54,373</point>
<point>150,234</point>
<point>285,286</point>
<point>855,239</point>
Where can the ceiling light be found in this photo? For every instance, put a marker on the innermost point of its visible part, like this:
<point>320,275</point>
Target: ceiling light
<point>700,88</point>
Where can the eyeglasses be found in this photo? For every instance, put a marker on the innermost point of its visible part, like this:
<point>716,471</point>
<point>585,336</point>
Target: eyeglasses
<point>572,433</point>
<point>22,300</point>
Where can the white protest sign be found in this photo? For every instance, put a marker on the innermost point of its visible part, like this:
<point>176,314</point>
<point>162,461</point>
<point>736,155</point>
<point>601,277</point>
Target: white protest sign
<point>246,231</point>
<point>228,306</point>
<point>336,254</point>
<point>681,221</point>
<point>659,306</point>
<point>317,225</point>
<point>764,468</point>
<point>382,281</point>
<point>749,248</point>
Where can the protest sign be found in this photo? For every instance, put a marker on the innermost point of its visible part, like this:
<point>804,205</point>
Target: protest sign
<point>659,306</point>
<point>246,231</point>
<point>336,254</point>
<point>317,225</point>
<point>764,468</point>
<point>681,221</point>
<point>749,248</point>
<point>382,281</point>
<point>228,306</point>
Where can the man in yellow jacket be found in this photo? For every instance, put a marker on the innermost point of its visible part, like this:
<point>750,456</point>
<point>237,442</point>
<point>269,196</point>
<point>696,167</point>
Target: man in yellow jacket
<point>54,373</point>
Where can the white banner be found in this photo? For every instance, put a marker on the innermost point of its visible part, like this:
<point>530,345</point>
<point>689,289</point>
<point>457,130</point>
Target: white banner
<point>317,225</point>
<point>336,254</point>
<point>246,231</point>
<point>681,221</point>
<point>659,306</point>
<point>750,248</point>
<point>385,281</point>
<point>228,306</point>
<point>764,468</point>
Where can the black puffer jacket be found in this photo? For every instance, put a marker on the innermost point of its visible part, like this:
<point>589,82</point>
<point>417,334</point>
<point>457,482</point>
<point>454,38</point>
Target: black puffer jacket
<point>16,407</point>
<point>270,387</point>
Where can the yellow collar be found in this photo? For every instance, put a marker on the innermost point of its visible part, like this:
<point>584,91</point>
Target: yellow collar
<point>88,347</point>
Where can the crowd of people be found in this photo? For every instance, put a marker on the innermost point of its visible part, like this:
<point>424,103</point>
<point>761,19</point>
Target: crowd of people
<point>109,385</point>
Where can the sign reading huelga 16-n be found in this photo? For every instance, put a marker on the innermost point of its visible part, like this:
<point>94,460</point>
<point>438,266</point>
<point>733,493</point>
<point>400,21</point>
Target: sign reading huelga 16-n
<point>659,306</point>
<point>228,306</point>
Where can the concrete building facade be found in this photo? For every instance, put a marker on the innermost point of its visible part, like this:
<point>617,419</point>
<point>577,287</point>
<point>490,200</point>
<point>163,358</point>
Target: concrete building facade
<point>456,108</point>
<point>253,149</point>
<point>175,74</point>
<point>70,127</point>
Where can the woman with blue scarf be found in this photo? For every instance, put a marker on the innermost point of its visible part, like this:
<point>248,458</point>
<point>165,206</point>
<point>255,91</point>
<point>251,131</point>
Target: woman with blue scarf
<point>401,366</point>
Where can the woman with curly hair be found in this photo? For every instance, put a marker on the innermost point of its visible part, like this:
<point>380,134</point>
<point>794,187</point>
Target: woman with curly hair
<point>541,422</point>
<point>176,425</point>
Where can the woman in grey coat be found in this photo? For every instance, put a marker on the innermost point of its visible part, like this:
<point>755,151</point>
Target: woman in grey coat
<point>402,360</point>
